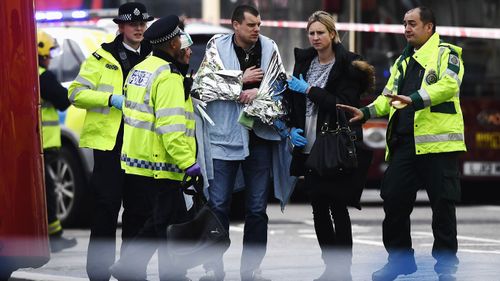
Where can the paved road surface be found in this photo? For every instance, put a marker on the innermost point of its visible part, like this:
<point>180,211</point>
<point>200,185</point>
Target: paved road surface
<point>293,253</point>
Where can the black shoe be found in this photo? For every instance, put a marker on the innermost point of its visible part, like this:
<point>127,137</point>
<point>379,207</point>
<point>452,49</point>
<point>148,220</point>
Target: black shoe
<point>60,243</point>
<point>392,270</point>
<point>447,277</point>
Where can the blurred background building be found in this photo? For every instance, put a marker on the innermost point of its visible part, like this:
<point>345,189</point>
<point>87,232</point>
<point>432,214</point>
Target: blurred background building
<point>372,28</point>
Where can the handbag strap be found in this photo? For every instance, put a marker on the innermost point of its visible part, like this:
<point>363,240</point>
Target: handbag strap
<point>197,183</point>
<point>341,120</point>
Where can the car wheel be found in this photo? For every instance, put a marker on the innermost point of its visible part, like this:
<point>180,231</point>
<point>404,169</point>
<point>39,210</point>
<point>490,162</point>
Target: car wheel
<point>71,197</point>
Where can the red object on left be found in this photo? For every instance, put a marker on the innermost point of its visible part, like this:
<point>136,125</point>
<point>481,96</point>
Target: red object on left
<point>23,217</point>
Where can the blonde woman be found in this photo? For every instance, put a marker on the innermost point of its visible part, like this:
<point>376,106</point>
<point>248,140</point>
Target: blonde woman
<point>324,74</point>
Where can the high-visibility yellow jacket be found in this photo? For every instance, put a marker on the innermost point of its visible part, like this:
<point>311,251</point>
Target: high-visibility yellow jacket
<point>438,122</point>
<point>100,76</point>
<point>51,131</point>
<point>159,132</point>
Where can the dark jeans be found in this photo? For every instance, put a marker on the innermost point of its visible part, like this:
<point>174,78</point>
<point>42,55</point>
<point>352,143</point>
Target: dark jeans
<point>331,223</point>
<point>169,207</point>
<point>107,192</point>
<point>437,173</point>
<point>256,172</point>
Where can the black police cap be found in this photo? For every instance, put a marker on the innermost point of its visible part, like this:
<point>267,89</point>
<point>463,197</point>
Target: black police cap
<point>163,30</point>
<point>132,12</point>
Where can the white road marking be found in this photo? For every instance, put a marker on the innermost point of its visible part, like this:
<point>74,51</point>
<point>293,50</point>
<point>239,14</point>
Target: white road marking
<point>236,228</point>
<point>367,242</point>
<point>44,277</point>
<point>464,244</point>
<point>274,232</point>
<point>461,237</point>
<point>478,251</point>
<point>492,208</point>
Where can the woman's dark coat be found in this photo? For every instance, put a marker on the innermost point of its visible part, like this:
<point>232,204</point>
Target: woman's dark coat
<point>346,82</point>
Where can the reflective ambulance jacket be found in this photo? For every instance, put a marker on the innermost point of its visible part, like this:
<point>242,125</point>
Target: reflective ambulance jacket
<point>438,121</point>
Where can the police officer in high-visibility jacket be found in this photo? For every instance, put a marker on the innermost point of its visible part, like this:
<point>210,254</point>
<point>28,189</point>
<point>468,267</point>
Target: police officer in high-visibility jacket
<point>98,89</point>
<point>424,138</point>
<point>159,147</point>
<point>54,97</point>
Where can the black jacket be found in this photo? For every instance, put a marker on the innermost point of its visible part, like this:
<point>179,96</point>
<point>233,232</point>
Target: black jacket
<point>52,91</point>
<point>346,83</point>
<point>130,59</point>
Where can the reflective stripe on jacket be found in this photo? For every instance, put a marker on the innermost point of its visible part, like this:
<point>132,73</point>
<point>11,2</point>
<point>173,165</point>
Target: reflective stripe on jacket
<point>100,76</point>
<point>438,122</point>
<point>159,131</point>
<point>51,131</point>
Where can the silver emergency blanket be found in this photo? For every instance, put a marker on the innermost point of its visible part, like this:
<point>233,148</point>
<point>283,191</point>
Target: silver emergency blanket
<point>213,82</point>
<point>267,105</point>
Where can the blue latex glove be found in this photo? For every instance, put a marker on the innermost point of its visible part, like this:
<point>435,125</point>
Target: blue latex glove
<point>117,101</point>
<point>297,139</point>
<point>194,170</point>
<point>281,128</point>
<point>298,84</point>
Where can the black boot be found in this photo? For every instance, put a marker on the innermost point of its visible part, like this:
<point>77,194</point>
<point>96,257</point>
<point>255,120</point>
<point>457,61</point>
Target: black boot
<point>394,268</point>
<point>59,243</point>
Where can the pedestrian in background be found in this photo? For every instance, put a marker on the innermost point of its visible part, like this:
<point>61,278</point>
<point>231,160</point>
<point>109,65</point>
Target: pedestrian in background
<point>237,150</point>
<point>324,74</point>
<point>425,137</point>
<point>159,148</point>
<point>54,97</point>
<point>98,89</point>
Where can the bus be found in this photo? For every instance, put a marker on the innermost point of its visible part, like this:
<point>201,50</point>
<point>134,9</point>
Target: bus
<point>23,214</point>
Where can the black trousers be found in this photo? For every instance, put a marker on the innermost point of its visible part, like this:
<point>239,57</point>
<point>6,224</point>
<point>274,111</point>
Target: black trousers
<point>169,207</point>
<point>407,172</point>
<point>107,193</point>
<point>332,224</point>
<point>49,156</point>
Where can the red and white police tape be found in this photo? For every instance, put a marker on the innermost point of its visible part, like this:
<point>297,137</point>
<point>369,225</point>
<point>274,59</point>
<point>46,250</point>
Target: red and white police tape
<point>454,31</point>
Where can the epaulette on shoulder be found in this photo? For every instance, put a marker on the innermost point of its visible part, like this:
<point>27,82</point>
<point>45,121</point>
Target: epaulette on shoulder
<point>173,69</point>
<point>447,45</point>
<point>96,55</point>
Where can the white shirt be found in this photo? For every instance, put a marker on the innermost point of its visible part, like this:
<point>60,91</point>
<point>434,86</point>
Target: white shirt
<point>138,51</point>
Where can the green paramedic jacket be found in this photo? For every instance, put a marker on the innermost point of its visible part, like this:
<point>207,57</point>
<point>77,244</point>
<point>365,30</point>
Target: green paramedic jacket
<point>159,132</point>
<point>100,76</point>
<point>51,131</point>
<point>438,122</point>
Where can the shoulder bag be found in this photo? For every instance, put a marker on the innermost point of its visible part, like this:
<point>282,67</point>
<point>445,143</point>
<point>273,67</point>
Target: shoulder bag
<point>334,152</point>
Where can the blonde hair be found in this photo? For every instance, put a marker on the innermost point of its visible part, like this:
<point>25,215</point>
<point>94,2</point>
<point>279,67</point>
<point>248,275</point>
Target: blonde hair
<point>327,20</point>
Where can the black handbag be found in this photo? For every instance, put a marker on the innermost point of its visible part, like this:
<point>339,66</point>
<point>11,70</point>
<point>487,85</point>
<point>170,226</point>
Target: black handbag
<point>334,152</point>
<point>201,239</point>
